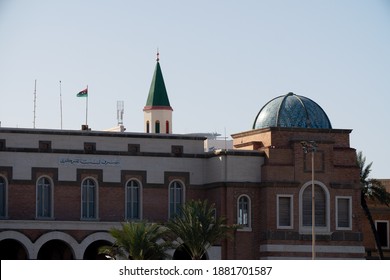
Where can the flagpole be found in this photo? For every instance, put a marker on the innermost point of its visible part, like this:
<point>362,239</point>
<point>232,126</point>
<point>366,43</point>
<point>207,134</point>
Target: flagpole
<point>86,109</point>
<point>61,103</point>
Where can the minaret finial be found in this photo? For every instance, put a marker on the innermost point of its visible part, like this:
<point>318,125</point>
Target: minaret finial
<point>158,56</point>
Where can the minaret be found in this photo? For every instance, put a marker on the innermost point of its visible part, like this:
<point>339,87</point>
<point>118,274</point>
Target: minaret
<point>158,111</point>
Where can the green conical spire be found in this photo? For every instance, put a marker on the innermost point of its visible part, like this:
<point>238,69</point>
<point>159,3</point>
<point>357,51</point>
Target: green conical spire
<point>158,96</point>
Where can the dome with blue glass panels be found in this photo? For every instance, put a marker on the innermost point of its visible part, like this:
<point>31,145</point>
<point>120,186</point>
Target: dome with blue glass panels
<point>292,110</point>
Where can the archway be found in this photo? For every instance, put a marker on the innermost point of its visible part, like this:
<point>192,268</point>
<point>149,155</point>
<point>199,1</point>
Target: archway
<point>55,250</point>
<point>182,254</point>
<point>11,249</point>
<point>92,251</point>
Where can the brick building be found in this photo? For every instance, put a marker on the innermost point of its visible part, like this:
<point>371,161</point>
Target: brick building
<point>381,216</point>
<point>62,190</point>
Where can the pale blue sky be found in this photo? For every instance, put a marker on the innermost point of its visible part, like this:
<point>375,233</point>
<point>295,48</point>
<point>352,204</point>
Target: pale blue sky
<point>221,61</point>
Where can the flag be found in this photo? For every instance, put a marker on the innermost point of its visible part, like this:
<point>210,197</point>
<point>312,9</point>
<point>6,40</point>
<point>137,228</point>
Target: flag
<point>83,93</point>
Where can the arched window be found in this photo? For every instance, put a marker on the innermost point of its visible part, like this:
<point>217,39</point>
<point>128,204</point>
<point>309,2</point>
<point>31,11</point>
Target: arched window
<point>321,195</point>
<point>44,198</point>
<point>157,127</point>
<point>147,127</point>
<point>176,198</point>
<point>88,199</point>
<point>244,211</point>
<point>133,200</point>
<point>167,127</point>
<point>3,197</point>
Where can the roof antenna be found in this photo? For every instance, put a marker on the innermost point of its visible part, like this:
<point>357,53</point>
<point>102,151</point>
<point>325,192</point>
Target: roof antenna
<point>119,112</point>
<point>158,56</point>
<point>35,103</point>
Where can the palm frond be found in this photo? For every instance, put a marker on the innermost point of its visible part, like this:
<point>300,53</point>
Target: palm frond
<point>198,228</point>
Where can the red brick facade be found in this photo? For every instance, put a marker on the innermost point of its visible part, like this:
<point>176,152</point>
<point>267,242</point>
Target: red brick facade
<point>276,168</point>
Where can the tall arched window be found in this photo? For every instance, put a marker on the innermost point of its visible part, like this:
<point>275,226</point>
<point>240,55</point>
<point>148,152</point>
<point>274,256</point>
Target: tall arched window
<point>44,197</point>
<point>321,195</point>
<point>133,200</point>
<point>157,127</point>
<point>176,198</point>
<point>147,127</point>
<point>167,127</point>
<point>88,199</point>
<point>244,211</point>
<point>3,197</point>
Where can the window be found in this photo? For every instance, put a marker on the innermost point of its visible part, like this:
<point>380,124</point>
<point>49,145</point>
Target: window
<point>343,212</point>
<point>157,127</point>
<point>243,211</point>
<point>321,195</point>
<point>134,148</point>
<point>88,199</point>
<point>133,200</point>
<point>176,197</point>
<point>284,211</point>
<point>147,127</point>
<point>177,150</point>
<point>167,127</point>
<point>44,197</point>
<point>2,145</point>
<point>3,197</point>
<point>383,232</point>
<point>89,147</point>
<point>45,146</point>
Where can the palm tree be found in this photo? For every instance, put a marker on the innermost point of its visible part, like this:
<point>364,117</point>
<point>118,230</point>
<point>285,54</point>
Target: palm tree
<point>374,190</point>
<point>197,227</point>
<point>139,241</point>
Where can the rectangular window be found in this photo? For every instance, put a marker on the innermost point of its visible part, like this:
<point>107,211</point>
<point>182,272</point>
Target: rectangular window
<point>177,150</point>
<point>320,207</point>
<point>343,213</point>
<point>3,197</point>
<point>175,198</point>
<point>89,147</point>
<point>44,198</point>
<point>88,199</point>
<point>133,149</point>
<point>2,145</point>
<point>244,212</point>
<point>132,200</point>
<point>383,232</point>
<point>44,201</point>
<point>44,146</point>
<point>284,211</point>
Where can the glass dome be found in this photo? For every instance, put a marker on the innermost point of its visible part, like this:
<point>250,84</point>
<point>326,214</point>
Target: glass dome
<point>292,110</point>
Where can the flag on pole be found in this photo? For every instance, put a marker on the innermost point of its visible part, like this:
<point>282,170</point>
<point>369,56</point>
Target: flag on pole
<point>83,93</point>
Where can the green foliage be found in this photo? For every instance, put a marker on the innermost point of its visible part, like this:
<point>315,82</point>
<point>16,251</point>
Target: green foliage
<point>372,188</point>
<point>197,227</point>
<point>139,241</point>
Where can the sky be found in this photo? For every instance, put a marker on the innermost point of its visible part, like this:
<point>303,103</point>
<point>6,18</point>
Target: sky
<point>221,62</point>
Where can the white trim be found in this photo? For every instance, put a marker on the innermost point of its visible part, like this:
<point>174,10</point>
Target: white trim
<point>307,229</point>
<point>337,211</point>
<point>52,235</point>
<point>140,206</point>
<point>249,227</point>
<point>97,236</point>
<point>291,226</point>
<point>388,233</point>
<point>57,225</point>
<point>21,238</point>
